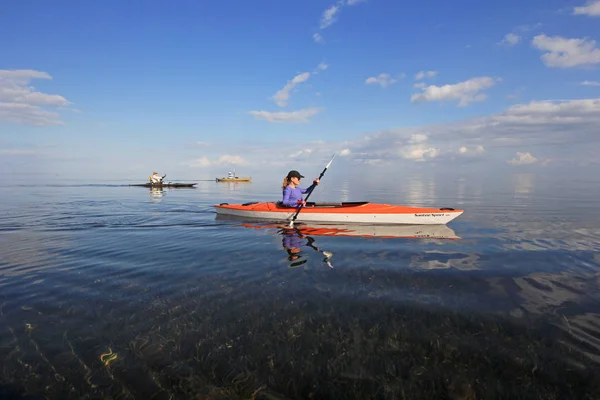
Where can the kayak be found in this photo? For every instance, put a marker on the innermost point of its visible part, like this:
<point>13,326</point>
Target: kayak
<point>172,185</point>
<point>343,212</point>
<point>234,179</point>
<point>356,230</point>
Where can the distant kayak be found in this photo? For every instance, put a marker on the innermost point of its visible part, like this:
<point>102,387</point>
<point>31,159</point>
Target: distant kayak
<point>344,212</point>
<point>172,185</point>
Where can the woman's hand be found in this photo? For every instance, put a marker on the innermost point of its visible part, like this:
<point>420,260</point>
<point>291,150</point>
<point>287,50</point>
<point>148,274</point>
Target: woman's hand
<point>301,202</point>
<point>316,181</point>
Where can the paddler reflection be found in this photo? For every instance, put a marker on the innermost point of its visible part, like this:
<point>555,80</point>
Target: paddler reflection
<point>293,241</point>
<point>156,194</point>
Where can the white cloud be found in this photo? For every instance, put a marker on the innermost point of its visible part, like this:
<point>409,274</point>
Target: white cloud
<point>329,15</point>
<point>200,162</point>
<point>545,124</point>
<point>282,96</point>
<point>23,76</point>
<point>419,85</point>
<point>345,152</point>
<point>25,114</point>
<point>419,152</point>
<point>473,150</point>
<point>510,39</point>
<point>225,159</point>
<point>592,9</point>
<point>566,53</point>
<point>21,104</point>
<point>418,138</point>
<point>383,79</point>
<point>301,154</point>
<point>590,83</point>
<point>523,159</point>
<point>548,112</point>
<point>300,116</point>
<point>320,67</point>
<point>565,132</point>
<point>231,160</point>
<point>425,74</point>
<point>202,144</point>
<point>466,92</point>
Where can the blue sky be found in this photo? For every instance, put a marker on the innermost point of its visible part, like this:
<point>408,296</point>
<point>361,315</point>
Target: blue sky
<point>196,88</point>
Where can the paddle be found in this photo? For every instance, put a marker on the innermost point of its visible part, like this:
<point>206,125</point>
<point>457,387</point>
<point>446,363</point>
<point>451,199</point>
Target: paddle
<point>310,192</point>
<point>327,254</point>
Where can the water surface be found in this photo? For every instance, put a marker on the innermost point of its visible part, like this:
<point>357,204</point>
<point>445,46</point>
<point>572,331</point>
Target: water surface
<point>110,291</point>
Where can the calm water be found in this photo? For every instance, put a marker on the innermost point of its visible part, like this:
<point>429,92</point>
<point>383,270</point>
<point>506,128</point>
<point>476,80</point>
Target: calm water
<point>110,291</point>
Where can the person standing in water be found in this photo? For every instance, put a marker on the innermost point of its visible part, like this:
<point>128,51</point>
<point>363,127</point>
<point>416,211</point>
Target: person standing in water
<point>292,193</point>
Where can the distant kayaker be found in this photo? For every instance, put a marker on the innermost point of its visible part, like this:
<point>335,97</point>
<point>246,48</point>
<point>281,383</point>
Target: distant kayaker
<point>155,178</point>
<point>292,194</point>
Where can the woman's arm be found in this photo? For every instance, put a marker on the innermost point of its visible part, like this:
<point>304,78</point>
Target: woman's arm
<point>308,188</point>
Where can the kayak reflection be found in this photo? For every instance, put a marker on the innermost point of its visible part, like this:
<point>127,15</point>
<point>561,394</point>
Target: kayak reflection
<point>293,241</point>
<point>381,231</point>
<point>357,230</point>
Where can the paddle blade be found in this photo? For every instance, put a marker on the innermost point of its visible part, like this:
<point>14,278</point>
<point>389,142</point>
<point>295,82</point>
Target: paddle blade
<point>330,161</point>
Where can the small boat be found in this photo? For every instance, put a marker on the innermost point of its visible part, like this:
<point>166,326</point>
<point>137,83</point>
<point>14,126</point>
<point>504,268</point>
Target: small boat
<point>234,179</point>
<point>169,184</point>
<point>362,212</point>
<point>438,231</point>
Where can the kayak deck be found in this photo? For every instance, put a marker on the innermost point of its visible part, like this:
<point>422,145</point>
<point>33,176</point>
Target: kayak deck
<point>345,212</point>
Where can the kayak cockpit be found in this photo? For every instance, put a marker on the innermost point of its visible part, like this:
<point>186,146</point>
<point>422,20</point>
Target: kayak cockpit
<point>328,204</point>
<point>310,204</point>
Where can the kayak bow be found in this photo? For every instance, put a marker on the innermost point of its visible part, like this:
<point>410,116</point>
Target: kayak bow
<point>345,212</point>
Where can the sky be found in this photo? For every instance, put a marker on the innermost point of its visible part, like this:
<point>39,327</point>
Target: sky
<point>193,89</point>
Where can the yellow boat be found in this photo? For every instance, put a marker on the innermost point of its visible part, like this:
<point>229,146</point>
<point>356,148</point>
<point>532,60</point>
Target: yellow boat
<point>234,179</point>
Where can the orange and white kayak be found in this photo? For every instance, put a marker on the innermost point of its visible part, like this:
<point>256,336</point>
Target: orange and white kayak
<point>347,212</point>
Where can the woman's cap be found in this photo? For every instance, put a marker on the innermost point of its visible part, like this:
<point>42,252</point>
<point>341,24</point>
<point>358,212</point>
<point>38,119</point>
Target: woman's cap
<point>294,174</point>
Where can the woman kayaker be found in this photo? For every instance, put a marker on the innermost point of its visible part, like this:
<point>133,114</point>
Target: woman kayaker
<point>292,194</point>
